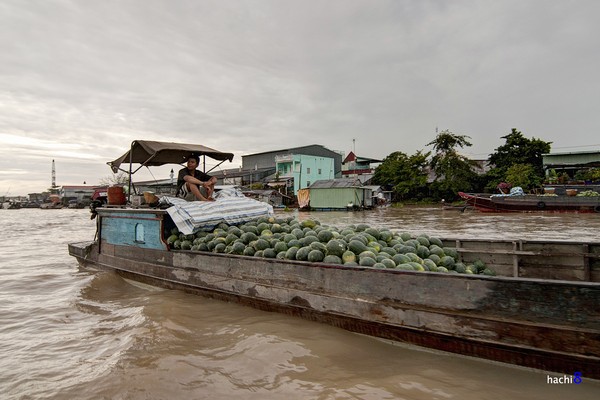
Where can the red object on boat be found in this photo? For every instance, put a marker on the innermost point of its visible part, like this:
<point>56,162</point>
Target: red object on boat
<point>116,196</point>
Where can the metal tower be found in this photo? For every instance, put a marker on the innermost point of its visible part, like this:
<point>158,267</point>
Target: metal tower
<point>53,175</point>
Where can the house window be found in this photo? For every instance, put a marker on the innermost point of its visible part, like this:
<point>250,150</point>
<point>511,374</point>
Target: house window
<point>319,171</point>
<point>308,170</point>
<point>307,183</point>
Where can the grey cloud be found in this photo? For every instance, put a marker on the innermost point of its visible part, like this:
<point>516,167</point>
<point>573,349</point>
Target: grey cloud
<point>249,76</point>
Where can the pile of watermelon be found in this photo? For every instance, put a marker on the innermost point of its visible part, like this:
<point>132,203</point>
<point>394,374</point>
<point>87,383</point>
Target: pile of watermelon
<point>352,246</point>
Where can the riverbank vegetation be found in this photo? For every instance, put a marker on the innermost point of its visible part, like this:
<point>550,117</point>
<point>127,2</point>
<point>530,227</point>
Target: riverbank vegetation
<point>442,172</point>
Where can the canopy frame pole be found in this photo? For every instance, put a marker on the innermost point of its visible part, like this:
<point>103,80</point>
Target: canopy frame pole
<point>213,167</point>
<point>144,164</point>
<point>130,172</point>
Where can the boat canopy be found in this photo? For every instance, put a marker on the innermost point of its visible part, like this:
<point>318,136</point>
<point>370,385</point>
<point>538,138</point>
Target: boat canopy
<point>152,153</point>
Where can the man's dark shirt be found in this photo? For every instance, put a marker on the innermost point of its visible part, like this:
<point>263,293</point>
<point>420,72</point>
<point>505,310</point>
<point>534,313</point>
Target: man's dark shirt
<point>197,174</point>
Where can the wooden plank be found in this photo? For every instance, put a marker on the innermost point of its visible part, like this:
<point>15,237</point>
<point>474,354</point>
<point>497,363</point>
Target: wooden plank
<point>529,253</point>
<point>586,262</point>
<point>532,259</point>
<point>516,258</point>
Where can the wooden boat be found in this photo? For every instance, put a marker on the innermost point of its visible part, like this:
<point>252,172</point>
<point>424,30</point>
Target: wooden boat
<point>12,205</point>
<point>51,206</point>
<point>541,311</point>
<point>530,202</point>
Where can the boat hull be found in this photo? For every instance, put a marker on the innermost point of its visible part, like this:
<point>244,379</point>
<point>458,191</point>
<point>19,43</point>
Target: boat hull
<point>532,203</point>
<point>545,324</point>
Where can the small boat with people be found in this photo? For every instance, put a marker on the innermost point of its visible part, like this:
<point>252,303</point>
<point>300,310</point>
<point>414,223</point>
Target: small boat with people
<point>527,303</point>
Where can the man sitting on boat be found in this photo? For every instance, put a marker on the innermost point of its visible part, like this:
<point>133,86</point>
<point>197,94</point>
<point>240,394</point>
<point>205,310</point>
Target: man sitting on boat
<point>516,191</point>
<point>193,184</point>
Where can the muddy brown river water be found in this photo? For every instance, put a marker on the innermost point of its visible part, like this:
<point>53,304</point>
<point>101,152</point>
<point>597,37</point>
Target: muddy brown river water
<point>69,333</point>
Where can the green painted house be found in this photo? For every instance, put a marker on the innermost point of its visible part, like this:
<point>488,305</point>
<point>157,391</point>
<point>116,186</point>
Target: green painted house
<point>338,194</point>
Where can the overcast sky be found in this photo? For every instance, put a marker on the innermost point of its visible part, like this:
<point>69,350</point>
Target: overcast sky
<point>79,80</point>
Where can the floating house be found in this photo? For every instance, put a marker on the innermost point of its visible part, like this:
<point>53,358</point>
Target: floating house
<point>340,194</point>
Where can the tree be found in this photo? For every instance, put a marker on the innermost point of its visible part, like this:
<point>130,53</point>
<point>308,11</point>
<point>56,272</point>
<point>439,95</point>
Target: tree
<point>453,171</point>
<point>121,178</point>
<point>517,150</point>
<point>404,175</point>
<point>522,175</point>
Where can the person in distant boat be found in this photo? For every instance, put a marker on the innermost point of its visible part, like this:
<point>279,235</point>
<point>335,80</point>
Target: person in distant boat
<point>193,184</point>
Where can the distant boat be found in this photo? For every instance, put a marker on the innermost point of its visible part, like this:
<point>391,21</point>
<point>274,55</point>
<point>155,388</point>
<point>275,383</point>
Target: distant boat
<point>532,202</point>
<point>51,206</point>
<point>12,205</point>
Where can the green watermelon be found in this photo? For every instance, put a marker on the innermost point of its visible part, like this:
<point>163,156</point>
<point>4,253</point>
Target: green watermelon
<point>332,259</point>
<point>302,253</point>
<point>290,254</point>
<point>349,257</point>
<point>315,256</point>
<point>335,247</point>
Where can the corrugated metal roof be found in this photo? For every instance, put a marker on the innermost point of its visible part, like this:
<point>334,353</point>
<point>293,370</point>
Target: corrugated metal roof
<point>73,187</point>
<point>292,150</point>
<point>336,183</point>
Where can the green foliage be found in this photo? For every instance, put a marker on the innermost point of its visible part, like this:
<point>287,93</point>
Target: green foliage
<point>523,175</point>
<point>405,175</point>
<point>520,150</point>
<point>517,150</point>
<point>518,161</point>
<point>592,174</point>
<point>446,142</point>
<point>454,172</point>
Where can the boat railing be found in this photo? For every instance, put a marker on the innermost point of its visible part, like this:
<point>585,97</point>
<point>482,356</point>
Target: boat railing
<point>532,259</point>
